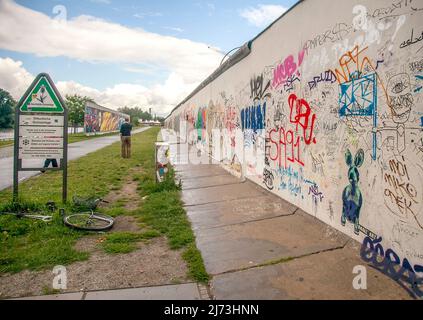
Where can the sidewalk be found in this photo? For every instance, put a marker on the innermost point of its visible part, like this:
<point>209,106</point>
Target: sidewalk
<point>188,291</point>
<point>258,246</point>
<point>75,151</point>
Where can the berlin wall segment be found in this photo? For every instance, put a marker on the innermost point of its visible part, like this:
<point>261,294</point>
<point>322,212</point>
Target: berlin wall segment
<point>329,118</point>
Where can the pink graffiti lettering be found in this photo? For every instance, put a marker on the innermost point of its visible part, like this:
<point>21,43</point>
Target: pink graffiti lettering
<point>287,69</point>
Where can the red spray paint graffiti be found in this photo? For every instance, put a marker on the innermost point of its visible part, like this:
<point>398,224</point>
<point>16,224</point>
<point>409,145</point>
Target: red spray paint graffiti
<point>287,69</point>
<point>287,143</point>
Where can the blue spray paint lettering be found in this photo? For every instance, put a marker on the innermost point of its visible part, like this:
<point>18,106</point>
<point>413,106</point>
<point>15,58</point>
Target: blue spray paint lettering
<point>389,263</point>
<point>253,117</point>
<point>293,181</point>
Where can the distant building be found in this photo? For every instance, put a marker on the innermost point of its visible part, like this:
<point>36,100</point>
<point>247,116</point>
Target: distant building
<point>150,123</point>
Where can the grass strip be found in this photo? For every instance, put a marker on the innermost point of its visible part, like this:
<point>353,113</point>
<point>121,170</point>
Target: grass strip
<point>163,210</point>
<point>36,245</point>
<point>126,242</point>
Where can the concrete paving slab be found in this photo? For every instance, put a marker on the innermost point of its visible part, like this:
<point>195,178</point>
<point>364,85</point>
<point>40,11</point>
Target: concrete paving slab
<point>174,292</point>
<point>238,211</point>
<point>251,244</point>
<point>324,276</point>
<point>222,193</point>
<point>257,246</point>
<point>65,296</point>
<point>206,182</point>
<point>199,171</point>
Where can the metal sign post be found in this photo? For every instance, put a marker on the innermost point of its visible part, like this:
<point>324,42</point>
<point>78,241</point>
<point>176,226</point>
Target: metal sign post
<point>41,130</point>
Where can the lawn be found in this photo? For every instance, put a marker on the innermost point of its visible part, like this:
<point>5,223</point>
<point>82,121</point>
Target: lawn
<point>93,175</point>
<point>35,245</point>
<point>164,212</point>
<point>6,143</point>
<point>73,137</point>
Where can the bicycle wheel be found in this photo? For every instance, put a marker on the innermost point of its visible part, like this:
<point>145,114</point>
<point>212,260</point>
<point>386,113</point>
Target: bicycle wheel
<point>89,222</point>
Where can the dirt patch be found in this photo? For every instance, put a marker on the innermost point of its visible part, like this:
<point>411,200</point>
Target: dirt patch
<point>88,244</point>
<point>122,224</point>
<point>150,265</point>
<point>127,195</point>
<point>131,194</point>
<point>126,224</point>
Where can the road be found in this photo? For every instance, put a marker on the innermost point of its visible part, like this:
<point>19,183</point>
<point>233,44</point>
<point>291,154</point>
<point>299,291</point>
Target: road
<point>75,151</point>
<point>6,134</point>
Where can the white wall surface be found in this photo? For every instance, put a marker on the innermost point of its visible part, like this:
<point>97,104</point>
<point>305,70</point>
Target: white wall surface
<point>337,78</point>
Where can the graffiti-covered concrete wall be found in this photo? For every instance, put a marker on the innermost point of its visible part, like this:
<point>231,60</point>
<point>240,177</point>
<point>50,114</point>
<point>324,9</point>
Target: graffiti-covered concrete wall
<point>100,119</point>
<point>328,109</point>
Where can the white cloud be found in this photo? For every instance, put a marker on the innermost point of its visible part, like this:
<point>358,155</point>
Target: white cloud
<point>161,98</point>
<point>14,78</point>
<point>262,15</point>
<point>138,70</point>
<point>91,39</point>
<point>102,1</point>
<point>174,29</point>
<point>142,15</point>
<point>208,6</point>
<point>211,8</point>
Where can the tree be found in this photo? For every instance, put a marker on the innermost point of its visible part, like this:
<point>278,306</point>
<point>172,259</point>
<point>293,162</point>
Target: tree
<point>76,109</point>
<point>7,108</point>
<point>136,113</point>
<point>135,121</point>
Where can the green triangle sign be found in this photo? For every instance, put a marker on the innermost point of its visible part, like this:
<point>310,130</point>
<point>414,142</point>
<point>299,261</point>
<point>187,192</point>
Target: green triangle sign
<point>42,97</point>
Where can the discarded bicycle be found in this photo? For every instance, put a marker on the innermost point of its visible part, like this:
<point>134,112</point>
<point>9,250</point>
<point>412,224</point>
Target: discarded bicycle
<point>86,221</point>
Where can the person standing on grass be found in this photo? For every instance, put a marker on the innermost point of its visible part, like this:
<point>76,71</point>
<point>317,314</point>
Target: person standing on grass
<point>125,134</point>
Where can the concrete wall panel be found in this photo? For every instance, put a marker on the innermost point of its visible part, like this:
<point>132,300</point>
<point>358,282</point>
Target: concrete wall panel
<point>328,110</point>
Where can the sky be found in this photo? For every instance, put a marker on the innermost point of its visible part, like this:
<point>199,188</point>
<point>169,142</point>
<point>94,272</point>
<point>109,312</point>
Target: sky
<point>149,54</point>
